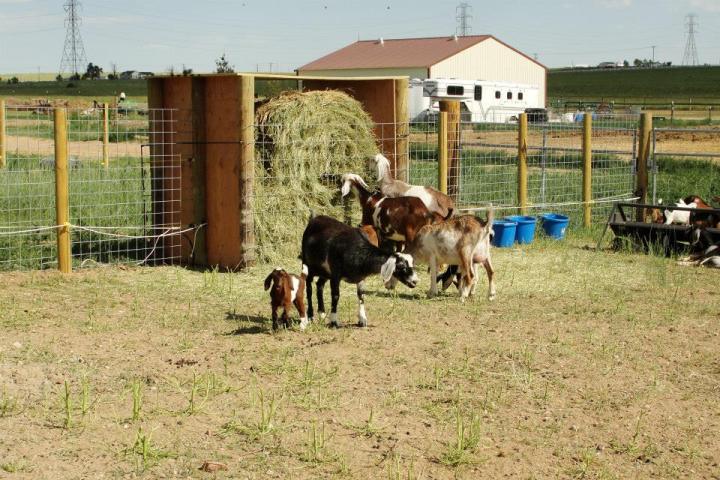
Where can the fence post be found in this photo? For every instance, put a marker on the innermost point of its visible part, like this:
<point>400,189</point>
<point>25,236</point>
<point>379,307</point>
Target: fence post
<point>452,108</point>
<point>3,145</point>
<point>443,153</point>
<point>106,136</point>
<point>522,163</point>
<point>587,170</point>
<point>641,178</point>
<point>62,205</point>
<point>402,130</point>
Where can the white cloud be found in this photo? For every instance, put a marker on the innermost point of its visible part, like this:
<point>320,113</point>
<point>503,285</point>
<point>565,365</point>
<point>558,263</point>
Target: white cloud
<point>614,3</point>
<point>707,5</point>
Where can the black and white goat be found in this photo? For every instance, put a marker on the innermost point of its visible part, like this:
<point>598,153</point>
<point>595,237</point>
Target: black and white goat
<point>434,200</point>
<point>704,251</point>
<point>335,251</point>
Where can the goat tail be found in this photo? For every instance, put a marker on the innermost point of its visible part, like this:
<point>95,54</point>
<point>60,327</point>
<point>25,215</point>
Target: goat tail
<point>490,215</point>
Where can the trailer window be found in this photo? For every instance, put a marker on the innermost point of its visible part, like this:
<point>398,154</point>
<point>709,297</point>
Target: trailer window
<point>520,95</point>
<point>509,95</point>
<point>478,92</point>
<point>455,90</point>
<point>497,93</point>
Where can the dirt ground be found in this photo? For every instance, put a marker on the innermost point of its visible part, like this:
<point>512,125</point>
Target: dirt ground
<point>588,365</point>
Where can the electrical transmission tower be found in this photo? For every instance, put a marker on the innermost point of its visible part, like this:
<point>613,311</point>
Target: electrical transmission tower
<point>463,15</point>
<point>73,58</point>
<point>690,57</point>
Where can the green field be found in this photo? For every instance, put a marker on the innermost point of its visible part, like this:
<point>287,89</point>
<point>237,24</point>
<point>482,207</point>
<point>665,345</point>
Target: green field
<point>108,90</point>
<point>679,84</point>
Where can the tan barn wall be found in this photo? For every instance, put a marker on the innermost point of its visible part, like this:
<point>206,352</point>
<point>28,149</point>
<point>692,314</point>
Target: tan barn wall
<point>420,72</point>
<point>491,60</point>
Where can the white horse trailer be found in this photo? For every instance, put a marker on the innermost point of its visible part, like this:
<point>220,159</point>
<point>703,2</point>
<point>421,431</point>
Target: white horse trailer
<point>480,101</point>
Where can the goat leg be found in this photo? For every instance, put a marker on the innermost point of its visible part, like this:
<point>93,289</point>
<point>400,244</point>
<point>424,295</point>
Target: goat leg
<point>491,280</point>
<point>274,318</point>
<point>300,305</point>
<point>308,291</point>
<point>335,293</point>
<point>433,277</point>
<point>362,317</point>
<point>320,297</point>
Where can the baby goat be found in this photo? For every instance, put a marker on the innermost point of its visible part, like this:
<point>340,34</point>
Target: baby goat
<point>287,290</point>
<point>463,241</point>
<point>396,219</point>
<point>335,251</point>
<point>434,200</point>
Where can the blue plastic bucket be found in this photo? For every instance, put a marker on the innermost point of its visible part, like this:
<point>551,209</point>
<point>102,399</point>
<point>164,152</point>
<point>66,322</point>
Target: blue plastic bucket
<point>555,225</point>
<point>504,233</point>
<point>525,231</point>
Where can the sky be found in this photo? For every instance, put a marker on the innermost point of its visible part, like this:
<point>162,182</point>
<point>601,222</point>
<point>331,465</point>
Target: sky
<point>155,35</point>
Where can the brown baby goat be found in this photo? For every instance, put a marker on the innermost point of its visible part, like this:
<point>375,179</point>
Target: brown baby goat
<point>287,289</point>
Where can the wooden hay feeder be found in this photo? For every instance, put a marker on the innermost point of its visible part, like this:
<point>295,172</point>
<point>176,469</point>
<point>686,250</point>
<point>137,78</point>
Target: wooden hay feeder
<point>212,136</point>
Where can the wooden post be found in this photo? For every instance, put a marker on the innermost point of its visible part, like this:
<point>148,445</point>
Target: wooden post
<point>62,204</point>
<point>158,145</point>
<point>402,130</point>
<point>641,177</point>
<point>247,170</point>
<point>587,169</point>
<point>443,153</point>
<point>452,107</point>
<point>522,163</point>
<point>3,138</point>
<point>106,136</point>
<point>199,164</point>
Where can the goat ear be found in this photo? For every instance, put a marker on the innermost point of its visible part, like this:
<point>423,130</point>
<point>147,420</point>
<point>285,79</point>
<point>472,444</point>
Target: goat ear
<point>388,268</point>
<point>346,188</point>
<point>268,280</point>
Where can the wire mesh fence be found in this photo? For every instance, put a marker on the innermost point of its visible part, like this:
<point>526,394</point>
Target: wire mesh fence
<point>483,163</point>
<point>121,175</point>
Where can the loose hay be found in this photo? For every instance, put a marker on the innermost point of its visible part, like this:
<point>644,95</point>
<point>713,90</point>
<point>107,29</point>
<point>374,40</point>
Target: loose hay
<point>305,141</point>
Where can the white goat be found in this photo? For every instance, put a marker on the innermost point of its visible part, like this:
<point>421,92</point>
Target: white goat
<point>679,217</point>
<point>434,200</point>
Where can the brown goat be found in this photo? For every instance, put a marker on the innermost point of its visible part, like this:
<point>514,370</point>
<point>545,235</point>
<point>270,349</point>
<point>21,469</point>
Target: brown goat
<point>287,290</point>
<point>396,219</point>
<point>702,219</point>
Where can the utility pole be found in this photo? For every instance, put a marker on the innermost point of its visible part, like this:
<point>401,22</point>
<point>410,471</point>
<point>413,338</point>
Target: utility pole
<point>463,15</point>
<point>73,57</point>
<point>690,57</point>
<point>653,59</point>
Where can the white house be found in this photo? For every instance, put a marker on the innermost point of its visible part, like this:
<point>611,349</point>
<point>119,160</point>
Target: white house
<point>475,57</point>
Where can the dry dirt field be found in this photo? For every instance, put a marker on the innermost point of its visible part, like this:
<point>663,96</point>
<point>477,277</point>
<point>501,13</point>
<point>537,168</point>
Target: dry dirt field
<point>588,365</point>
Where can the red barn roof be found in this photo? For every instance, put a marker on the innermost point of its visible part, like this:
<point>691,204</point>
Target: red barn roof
<point>395,53</point>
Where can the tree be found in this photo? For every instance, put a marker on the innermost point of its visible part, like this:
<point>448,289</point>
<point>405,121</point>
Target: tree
<point>14,80</point>
<point>223,66</point>
<point>114,74</point>
<point>626,63</point>
<point>59,78</point>
<point>93,72</point>
<point>186,71</point>
<point>74,77</point>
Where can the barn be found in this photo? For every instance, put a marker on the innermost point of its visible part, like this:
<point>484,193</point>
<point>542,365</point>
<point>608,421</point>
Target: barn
<point>474,57</point>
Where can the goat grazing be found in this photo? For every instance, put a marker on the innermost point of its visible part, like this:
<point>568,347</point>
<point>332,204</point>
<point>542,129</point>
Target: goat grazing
<point>435,201</point>
<point>679,217</point>
<point>699,218</point>
<point>287,290</point>
<point>463,241</point>
<point>396,219</point>
<point>335,251</point>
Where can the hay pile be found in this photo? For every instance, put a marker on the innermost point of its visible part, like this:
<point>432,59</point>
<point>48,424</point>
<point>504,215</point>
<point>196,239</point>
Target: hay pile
<point>305,142</point>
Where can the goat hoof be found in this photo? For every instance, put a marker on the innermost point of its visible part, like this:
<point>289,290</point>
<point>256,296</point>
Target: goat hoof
<point>334,325</point>
<point>304,323</point>
<point>322,316</point>
<point>431,294</point>
<point>362,322</point>
<point>491,297</point>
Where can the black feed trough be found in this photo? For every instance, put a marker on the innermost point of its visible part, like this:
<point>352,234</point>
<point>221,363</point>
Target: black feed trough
<point>670,238</point>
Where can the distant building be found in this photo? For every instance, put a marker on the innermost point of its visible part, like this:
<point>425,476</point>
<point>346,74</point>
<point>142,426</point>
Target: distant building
<point>129,75</point>
<point>475,57</point>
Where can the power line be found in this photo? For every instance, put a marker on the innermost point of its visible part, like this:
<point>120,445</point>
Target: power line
<point>690,57</point>
<point>463,16</point>
<point>73,57</point>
